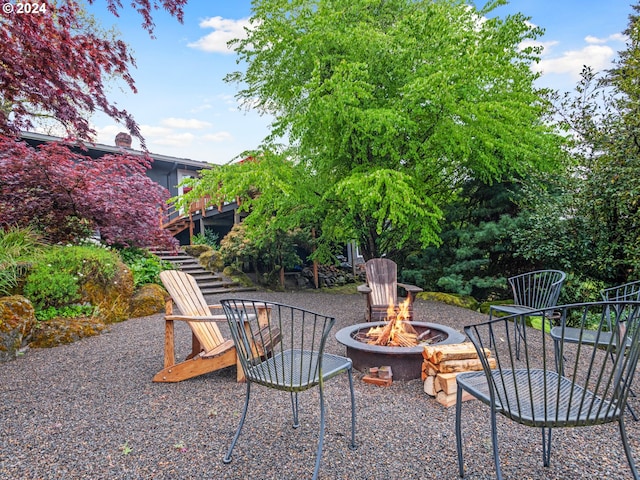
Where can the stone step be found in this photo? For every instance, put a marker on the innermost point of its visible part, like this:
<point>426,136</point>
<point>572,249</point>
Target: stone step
<point>210,283</point>
<point>229,289</point>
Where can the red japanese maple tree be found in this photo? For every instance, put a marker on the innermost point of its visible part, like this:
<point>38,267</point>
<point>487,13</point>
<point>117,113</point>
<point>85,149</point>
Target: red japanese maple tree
<point>67,194</point>
<point>54,65</point>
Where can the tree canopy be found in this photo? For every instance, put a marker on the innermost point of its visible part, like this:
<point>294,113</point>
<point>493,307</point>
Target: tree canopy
<point>383,109</point>
<point>593,208</point>
<point>67,195</point>
<point>53,64</point>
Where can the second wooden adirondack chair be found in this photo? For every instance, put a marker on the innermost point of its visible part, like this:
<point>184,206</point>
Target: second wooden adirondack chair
<point>382,289</point>
<point>209,349</point>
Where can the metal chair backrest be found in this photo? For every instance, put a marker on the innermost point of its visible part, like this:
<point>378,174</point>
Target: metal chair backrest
<point>626,291</point>
<point>593,389</point>
<point>539,289</point>
<point>278,346</point>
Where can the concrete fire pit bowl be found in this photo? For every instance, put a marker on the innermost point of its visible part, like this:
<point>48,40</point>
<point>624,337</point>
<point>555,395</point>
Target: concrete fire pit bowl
<point>405,362</point>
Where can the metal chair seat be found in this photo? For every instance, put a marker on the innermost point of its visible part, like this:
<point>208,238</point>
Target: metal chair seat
<point>290,370</point>
<point>577,335</point>
<point>540,398</point>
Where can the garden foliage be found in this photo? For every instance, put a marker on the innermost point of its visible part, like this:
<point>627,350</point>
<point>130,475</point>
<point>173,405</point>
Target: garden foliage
<point>59,273</point>
<point>68,196</point>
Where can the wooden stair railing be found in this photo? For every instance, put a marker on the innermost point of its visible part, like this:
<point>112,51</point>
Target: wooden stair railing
<point>177,221</point>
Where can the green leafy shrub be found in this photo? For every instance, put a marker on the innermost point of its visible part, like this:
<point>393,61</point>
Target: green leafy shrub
<point>209,237</point>
<point>144,266</point>
<point>69,311</point>
<point>58,273</point>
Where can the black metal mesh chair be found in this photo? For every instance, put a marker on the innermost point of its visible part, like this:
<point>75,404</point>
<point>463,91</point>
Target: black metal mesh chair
<point>532,291</point>
<point>592,389</point>
<point>282,347</point>
<point>625,292</point>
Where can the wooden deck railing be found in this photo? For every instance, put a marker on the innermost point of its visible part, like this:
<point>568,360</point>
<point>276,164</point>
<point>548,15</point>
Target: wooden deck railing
<point>177,220</point>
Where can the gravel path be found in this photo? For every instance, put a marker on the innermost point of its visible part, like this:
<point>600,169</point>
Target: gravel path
<point>90,411</point>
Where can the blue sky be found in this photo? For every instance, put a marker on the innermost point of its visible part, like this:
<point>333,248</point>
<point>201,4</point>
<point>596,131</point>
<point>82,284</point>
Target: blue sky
<point>186,110</point>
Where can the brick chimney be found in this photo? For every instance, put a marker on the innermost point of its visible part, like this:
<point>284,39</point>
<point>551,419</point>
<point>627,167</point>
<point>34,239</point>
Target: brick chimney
<point>123,140</point>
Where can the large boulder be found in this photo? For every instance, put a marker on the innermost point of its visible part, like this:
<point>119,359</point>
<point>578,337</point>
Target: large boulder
<point>211,260</point>
<point>197,250</point>
<point>17,319</point>
<point>237,276</point>
<point>113,298</point>
<point>61,331</point>
<point>148,300</point>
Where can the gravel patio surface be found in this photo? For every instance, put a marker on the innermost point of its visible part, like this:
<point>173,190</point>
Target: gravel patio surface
<point>90,411</point>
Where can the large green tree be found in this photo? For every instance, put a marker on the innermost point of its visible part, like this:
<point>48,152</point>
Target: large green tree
<point>383,109</point>
<point>589,221</point>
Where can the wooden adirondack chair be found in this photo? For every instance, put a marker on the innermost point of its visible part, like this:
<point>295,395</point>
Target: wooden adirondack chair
<point>382,289</point>
<point>210,351</point>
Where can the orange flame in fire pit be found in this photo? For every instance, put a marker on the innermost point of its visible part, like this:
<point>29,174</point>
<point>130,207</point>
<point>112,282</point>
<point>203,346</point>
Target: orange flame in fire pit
<point>398,331</point>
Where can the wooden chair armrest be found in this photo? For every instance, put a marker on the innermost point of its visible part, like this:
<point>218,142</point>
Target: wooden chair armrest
<point>223,347</point>
<point>206,318</point>
<point>364,289</point>
<point>410,288</point>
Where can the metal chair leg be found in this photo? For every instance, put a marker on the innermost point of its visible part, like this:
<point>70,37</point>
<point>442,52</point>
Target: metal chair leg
<point>352,445</point>
<point>459,432</point>
<point>627,449</point>
<point>321,435</point>
<point>494,441</point>
<point>519,324</point>
<point>294,407</point>
<point>546,447</point>
<point>227,457</point>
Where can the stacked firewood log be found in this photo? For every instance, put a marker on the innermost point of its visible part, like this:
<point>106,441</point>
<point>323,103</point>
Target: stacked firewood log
<point>441,365</point>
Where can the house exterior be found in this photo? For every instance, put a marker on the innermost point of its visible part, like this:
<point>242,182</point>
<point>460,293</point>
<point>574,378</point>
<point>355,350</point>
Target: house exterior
<point>168,172</point>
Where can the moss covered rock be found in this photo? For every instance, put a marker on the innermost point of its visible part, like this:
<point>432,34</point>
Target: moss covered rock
<point>59,331</point>
<point>148,300</point>
<point>111,298</point>
<point>197,250</point>
<point>17,319</point>
<point>211,260</point>
<point>237,276</point>
<point>450,299</point>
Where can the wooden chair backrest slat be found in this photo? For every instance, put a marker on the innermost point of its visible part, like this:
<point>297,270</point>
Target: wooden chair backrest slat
<point>382,278</point>
<point>186,294</point>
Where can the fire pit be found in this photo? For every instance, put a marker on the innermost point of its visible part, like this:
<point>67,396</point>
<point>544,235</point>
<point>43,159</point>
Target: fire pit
<point>405,362</point>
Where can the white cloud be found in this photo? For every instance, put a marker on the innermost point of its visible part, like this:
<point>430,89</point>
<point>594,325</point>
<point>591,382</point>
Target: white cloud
<point>571,62</point>
<point>218,137</point>
<point>172,122</point>
<point>201,108</point>
<point>175,139</point>
<point>154,131</point>
<point>223,31</point>
<point>616,37</point>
